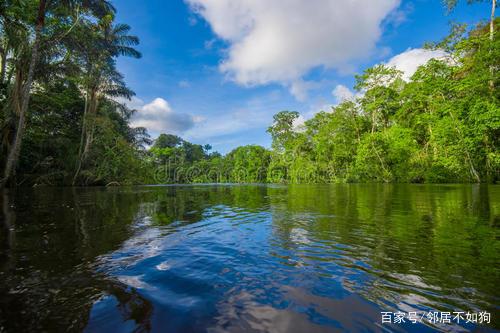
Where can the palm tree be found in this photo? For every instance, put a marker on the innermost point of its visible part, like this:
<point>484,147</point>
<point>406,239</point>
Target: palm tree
<point>101,78</point>
<point>94,7</point>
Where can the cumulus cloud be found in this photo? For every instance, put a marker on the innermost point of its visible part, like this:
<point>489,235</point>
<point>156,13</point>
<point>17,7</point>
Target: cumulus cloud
<point>300,88</point>
<point>400,15</point>
<point>342,93</point>
<point>158,117</point>
<point>280,41</point>
<point>409,61</point>
<point>252,114</point>
<point>134,103</point>
<point>299,124</point>
<point>232,122</point>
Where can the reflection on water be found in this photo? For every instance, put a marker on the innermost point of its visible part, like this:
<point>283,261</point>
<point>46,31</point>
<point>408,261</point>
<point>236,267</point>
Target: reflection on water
<point>243,258</point>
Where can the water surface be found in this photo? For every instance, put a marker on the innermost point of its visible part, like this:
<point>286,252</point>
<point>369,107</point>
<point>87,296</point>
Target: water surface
<point>247,258</point>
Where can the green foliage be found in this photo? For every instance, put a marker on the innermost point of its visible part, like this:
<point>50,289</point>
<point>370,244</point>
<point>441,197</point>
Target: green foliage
<point>167,141</point>
<point>72,118</point>
<point>282,131</point>
<point>388,156</point>
<point>249,164</point>
<point>443,125</point>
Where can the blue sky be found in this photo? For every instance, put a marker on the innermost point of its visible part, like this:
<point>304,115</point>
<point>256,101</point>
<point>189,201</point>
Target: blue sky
<point>216,71</point>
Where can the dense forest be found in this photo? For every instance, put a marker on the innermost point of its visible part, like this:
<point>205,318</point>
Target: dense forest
<point>61,122</point>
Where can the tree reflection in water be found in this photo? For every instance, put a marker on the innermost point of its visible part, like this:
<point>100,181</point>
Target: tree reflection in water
<point>245,257</point>
<point>49,254</point>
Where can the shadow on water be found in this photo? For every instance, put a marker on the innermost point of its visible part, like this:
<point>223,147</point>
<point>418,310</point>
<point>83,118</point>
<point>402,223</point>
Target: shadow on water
<point>243,258</point>
<point>50,240</point>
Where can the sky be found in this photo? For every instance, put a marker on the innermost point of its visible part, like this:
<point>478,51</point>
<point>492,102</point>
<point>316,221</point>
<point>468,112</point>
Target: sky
<point>216,71</point>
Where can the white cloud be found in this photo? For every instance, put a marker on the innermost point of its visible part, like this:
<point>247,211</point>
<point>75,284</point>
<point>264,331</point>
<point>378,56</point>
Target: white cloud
<point>299,124</point>
<point>158,117</point>
<point>237,121</point>
<point>342,93</point>
<point>300,88</point>
<point>255,113</point>
<point>134,103</point>
<point>280,41</point>
<point>400,15</point>
<point>409,61</point>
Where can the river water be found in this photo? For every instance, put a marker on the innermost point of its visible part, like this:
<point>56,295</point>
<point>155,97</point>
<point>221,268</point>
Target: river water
<point>250,258</point>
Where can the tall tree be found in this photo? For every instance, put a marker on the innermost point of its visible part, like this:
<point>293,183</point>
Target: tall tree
<point>167,141</point>
<point>43,7</point>
<point>451,4</point>
<point>104,42</point>
<point>282,129</point>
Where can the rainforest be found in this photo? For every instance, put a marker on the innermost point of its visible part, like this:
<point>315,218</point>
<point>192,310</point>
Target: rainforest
<point>64,121</point>
<point>249,166</point>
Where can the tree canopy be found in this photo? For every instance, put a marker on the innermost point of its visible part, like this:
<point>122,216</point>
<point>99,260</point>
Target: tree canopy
<point>61,122</point>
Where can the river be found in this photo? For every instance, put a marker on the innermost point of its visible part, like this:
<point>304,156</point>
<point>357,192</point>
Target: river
<point>250,258</point>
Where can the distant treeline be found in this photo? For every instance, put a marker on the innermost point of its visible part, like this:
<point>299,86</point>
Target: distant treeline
<point>61,123</point>
<point>441,126</point>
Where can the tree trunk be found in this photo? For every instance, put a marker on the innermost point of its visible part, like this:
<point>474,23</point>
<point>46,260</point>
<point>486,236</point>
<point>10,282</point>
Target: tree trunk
<point>9,229</point>
<point>492,35</point>
<point>11,111</point>
<point>87,135</point>
<point>13,156</point>
<point>492,19</point>
<point>468,158</point>
<point>90,129</point>
<point>3,59</point>
<point>82,138</point>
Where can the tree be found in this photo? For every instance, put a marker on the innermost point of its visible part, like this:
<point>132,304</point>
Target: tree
<point>451,4</point>
<point>381,86</point>
<point>192,152</point>
<point>104,42</point>
<point>44,6</point>
<point>441,126</point>
<point>167,141</point>
<point>282,129</point>
<point>336,136</point>
<point>249,164</point>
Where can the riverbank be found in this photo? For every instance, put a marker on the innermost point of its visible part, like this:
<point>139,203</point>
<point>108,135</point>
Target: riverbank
<point>439,126</point>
